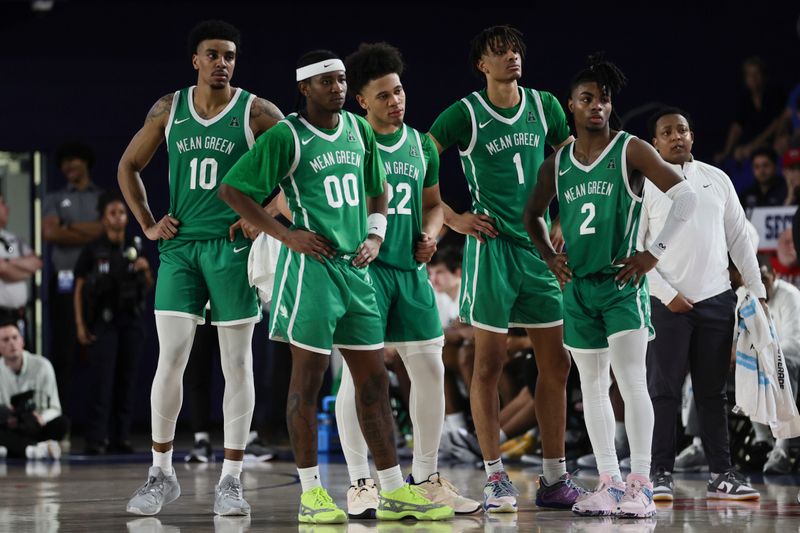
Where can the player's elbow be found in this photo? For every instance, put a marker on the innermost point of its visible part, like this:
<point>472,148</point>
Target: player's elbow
<point>228,194</point>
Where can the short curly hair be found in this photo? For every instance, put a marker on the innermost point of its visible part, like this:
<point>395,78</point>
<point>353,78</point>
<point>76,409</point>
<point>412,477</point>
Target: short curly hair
<point>370,62</point>
<point>213,29</point>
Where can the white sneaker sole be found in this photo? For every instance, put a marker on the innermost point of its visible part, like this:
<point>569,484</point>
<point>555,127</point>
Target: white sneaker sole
<point>735,497</point>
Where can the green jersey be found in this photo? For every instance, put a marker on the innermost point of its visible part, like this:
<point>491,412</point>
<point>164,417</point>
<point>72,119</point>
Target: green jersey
<point>599,211</point>
<point>411,162</point>
<point>501,151</point>
<point>325,175</point>
<point>201,151</point>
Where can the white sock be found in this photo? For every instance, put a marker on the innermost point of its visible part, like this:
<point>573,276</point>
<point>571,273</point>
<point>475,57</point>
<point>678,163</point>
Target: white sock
<point>453,421</point>
<point>163,460</point>
<point>422,468</point>
<point>252,436</point>
<point>201,435</point>
<point>783,444</point>
<point>697,442</point>
<point>391,478</point>
<point>494,466</point>
<point>359,471</point>
<point>554,469</point>
<point>309,478</point>
<point>503,436</point>
<point>763,433</point>
<point>231,468</point>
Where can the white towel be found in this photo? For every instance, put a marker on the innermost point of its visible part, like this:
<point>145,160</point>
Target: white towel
<point>262,263</point>
<point>763,391</point>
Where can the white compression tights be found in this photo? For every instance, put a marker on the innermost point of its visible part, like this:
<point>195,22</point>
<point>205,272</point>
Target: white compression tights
<point>175,337</point>
<point>626,356</point>
<point>426,372</point>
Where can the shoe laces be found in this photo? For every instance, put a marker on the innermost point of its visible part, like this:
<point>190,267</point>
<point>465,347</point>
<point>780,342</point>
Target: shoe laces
<point>232,489</point>
<point>447,485</point>
<point>571,483</point>
<point>736,477</point>
<point>322,498</point>
<point>502,486</point>
<point>153,485</point>
<point>633,489</point>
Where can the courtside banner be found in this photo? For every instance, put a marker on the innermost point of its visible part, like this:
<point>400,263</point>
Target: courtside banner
<point>770,223</point>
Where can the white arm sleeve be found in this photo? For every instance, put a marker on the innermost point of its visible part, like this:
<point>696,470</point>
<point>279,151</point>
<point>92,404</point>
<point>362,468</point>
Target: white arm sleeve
<point>740,247</point>
<point>684,201</point>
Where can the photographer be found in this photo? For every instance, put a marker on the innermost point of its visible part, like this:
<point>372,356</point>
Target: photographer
<point>111,279</point>
<point>31,423</point>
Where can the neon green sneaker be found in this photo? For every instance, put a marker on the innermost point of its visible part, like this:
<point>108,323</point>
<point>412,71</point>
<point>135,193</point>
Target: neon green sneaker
<point>317,507</point>
<point>409,501</point>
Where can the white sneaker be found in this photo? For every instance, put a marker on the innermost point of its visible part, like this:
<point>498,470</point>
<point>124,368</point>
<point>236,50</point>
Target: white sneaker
<point>439,490</point>
<point>3,452</point>
<point>362,499</point>
<point>638,500</point>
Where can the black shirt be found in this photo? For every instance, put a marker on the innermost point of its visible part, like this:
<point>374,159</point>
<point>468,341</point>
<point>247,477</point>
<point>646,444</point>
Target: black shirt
<point>776,195</point>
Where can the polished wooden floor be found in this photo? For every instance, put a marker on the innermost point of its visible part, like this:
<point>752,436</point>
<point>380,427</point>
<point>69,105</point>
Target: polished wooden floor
<point>90,496</point>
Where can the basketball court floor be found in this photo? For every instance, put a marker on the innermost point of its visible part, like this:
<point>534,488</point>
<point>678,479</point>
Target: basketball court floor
<point>90,496</point>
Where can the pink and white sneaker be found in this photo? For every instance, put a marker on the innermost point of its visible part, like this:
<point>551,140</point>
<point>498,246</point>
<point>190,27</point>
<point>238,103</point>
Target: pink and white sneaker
<point>604,501</point>
<point>637,502</point>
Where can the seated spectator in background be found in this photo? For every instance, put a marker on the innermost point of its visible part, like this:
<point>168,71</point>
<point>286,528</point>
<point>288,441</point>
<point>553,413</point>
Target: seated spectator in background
<point>784,260</point>
<point>789,133</point>
<point>31,423</point>
<point>791,173</point>
<point>69,222</point>
<point>759,117</point>
<point>18,264</point>
<point>769,188</point>
<point>784,308</point>
<point>111,280</point>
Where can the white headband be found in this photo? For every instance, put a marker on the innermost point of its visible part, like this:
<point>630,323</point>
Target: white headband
<point>321,67</point>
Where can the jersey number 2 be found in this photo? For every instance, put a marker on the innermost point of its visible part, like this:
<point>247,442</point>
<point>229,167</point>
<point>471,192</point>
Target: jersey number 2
<point>586,229</point>
<point>208,173</point>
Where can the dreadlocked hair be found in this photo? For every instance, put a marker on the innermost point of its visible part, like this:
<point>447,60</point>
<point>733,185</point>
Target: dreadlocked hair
<point>607,76</point>
<point>309,58</point>
<point>498,40</point>
<point>370,62</point>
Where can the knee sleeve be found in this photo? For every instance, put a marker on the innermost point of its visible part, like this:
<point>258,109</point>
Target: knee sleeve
<point>628,360</point>
<point>236,355</point>
<point>175,336</point>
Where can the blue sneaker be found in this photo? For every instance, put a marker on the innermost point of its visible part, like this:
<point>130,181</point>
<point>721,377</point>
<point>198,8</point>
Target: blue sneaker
<point>499,495</point>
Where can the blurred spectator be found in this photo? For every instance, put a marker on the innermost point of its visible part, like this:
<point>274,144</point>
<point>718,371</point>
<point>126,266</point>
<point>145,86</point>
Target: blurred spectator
<point>18,263</point>
<point>791,173</point>
<point>784,261</point>
<point>784,307</point>
<point>70,221</point>
<point>769,188</point>
<point>111,280</point>
<point>789,135</point>
<point>759,118</point>
<point>31,423</point>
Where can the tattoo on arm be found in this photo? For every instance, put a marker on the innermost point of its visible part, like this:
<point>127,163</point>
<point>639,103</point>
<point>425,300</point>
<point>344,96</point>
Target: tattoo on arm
<point>160,108</point>
<point>265,107</point>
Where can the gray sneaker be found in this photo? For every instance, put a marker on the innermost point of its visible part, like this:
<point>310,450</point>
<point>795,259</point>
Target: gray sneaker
<point>228,500</point>
<point>159,490</point>
<point>778,462</point>
<point>691,459</point>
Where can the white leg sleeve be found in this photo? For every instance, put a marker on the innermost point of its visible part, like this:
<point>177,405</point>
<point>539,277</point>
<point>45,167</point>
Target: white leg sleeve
<point>236,356</point>
<point>353,444</point>
<point>175,336</point>
<point>594,369</point>
<point>426,372</point>
<point>628,357</point>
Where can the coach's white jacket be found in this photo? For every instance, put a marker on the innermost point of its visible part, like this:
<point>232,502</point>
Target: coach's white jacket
<point>763,391</point>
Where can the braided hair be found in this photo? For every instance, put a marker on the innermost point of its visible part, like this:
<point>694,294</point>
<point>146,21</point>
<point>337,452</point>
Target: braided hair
<point>498,40</point>
<point>607,76</point>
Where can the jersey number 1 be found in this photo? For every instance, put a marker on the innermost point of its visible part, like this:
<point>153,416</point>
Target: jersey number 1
<point>208,173</point>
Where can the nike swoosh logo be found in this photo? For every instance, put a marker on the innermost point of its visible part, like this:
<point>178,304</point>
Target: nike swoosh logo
<point>324,65</point>
<point>482,124</point>
<point>237,250</point>
<point>306,141</point>
<point>562,172</point>
<point>493,462</point>
<point>707,185</point>
<point>181,120</point>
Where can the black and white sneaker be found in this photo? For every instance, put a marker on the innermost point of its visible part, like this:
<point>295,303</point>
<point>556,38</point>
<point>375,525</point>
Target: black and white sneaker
<point>201,452</point>
<point>663,486</point>
<point>731,485</point>
<point>257,452</point>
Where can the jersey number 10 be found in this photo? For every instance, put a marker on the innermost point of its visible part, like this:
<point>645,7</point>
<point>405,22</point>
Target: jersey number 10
<point>208,173</point>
